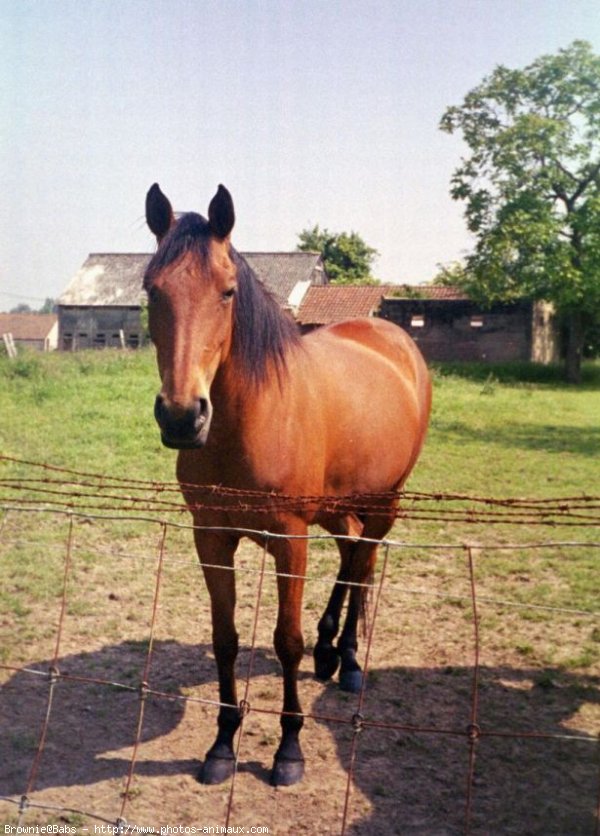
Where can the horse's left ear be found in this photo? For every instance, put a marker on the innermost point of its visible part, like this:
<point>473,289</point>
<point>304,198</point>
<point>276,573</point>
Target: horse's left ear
<point>159,214</point>
<point>221,214</point>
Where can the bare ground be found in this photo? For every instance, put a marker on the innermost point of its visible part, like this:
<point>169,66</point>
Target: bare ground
<point>405,772</point>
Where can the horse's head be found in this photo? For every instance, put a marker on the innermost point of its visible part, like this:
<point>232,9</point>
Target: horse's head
<point>191,283</point>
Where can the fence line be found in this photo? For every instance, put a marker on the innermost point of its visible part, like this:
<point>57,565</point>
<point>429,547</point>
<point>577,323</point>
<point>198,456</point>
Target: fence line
<point>354,719</point>
<point>92,492</point>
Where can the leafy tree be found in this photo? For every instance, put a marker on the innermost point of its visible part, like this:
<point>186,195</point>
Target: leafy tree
<point>531,187</point>
<point>454,274</point>
<point>346,257</point>
<point>49,306</point>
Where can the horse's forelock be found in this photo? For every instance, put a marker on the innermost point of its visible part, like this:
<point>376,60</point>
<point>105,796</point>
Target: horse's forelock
<point>191,233</point>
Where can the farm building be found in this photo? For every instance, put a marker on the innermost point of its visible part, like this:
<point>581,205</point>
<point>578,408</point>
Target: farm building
<point>445,323</point>
<point>448,326</point>
<point>31,330</point>
<point>102,305</point>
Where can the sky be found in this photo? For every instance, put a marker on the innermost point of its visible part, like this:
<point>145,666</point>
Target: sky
<point>309,111</point>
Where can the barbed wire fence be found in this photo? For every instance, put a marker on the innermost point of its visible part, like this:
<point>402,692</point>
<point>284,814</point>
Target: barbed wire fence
<point>80,497</point>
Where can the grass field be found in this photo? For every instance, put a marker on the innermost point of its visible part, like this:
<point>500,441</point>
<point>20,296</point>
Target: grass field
<point>506,432</point>
<point>509,431</point>
<point>501,432</point>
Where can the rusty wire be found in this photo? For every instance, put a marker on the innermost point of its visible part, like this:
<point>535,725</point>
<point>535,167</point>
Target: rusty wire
<point>68,489</point>
<point>356,721</point>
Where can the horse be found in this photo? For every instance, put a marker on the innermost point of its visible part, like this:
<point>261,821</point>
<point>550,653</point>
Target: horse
<point>253,406</point>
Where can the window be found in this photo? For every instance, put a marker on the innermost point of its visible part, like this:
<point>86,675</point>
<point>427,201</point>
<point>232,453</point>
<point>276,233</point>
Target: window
<point>133,340</point>
<point>417,321</point>
<point>100,341</point>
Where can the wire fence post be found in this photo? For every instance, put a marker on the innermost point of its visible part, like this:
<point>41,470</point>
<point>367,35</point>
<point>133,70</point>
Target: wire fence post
<point>121,822</point>
<point>473,729</point>
<point>244,705</point>
<point>358,718</point>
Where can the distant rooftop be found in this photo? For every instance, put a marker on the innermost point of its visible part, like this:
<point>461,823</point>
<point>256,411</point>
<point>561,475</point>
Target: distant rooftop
<point>425,291</point>
<point>108,279</point>
<point>332,303</point>
<point>27,326</point>
<point>115,279</point>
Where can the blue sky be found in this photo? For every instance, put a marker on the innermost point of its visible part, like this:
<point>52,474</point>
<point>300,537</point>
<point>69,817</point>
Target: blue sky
<point>309,112</point>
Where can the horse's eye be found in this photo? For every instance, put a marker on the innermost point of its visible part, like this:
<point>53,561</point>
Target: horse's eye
<point>153,295</point>
<point>228,294</point>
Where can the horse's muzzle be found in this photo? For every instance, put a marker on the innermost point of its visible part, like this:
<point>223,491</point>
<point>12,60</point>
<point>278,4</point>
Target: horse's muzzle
<point>183,429</point>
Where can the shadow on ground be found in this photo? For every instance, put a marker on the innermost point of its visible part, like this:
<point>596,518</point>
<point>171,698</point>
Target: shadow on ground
<point>414,777</point>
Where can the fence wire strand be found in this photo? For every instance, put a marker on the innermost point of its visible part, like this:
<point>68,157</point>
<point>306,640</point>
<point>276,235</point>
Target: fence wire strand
<point>83,496</point>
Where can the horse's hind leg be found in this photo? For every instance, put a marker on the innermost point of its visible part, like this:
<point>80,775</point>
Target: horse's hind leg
<point>356,572</point>
<point>326,656</point>
<point>216,555</point>
<point>363,565</point>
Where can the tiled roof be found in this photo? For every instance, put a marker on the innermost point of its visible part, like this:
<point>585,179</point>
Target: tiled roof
<point>426,291</point>
<point>332,303</point>
<point>108,279</point>
<point>281,272</point>
<point>114,279</point>
<point>27,326</point>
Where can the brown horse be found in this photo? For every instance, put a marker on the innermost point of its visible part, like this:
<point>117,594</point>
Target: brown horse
<point>253,406</point>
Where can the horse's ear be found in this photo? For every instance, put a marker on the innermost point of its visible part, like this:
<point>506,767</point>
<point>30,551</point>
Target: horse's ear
<point>159,214</point>
<point>221,214</point>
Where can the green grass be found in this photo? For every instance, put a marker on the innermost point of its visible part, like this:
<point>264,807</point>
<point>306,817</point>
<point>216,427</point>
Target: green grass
<point>90,411</point>
<point>503,431</point>
<point>509,431</point>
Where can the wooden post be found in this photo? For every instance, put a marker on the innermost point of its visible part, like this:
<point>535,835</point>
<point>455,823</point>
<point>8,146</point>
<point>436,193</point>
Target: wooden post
<point>10,345</point>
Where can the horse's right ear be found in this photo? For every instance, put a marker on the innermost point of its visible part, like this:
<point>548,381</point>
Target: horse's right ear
<point>159,214</point>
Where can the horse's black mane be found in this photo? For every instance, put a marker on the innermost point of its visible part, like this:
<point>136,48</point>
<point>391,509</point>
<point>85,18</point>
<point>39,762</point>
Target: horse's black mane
<point>262,331</point>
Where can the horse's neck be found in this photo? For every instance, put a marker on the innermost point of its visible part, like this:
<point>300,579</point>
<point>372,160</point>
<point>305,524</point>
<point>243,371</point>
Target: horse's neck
<point>239,402</point>
<point>232,395</point>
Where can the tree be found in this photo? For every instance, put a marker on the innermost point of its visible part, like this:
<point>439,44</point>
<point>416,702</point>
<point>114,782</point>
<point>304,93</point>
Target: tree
<point>49,306</point>
<point>454,274</point>
<point>346,257</point>
<point>531,187</point>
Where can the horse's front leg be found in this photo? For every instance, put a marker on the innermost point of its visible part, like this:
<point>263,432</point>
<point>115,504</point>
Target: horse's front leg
<point>290,559</point>
<point>216,551</point>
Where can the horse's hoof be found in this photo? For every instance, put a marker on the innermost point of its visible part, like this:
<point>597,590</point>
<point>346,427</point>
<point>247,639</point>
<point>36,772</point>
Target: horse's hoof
<point>216,770</point>
<point>351,681</point>
<point>285,773</point>
<point>327,661</point>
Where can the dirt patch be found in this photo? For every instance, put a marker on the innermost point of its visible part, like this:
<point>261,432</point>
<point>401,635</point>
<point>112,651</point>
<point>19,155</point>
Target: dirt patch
<point>402,768</point>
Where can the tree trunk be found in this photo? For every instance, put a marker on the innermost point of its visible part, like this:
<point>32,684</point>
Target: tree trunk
<point>574,347</point>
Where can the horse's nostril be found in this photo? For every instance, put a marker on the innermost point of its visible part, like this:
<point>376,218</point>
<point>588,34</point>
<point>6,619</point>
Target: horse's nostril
<point>159,408</point>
